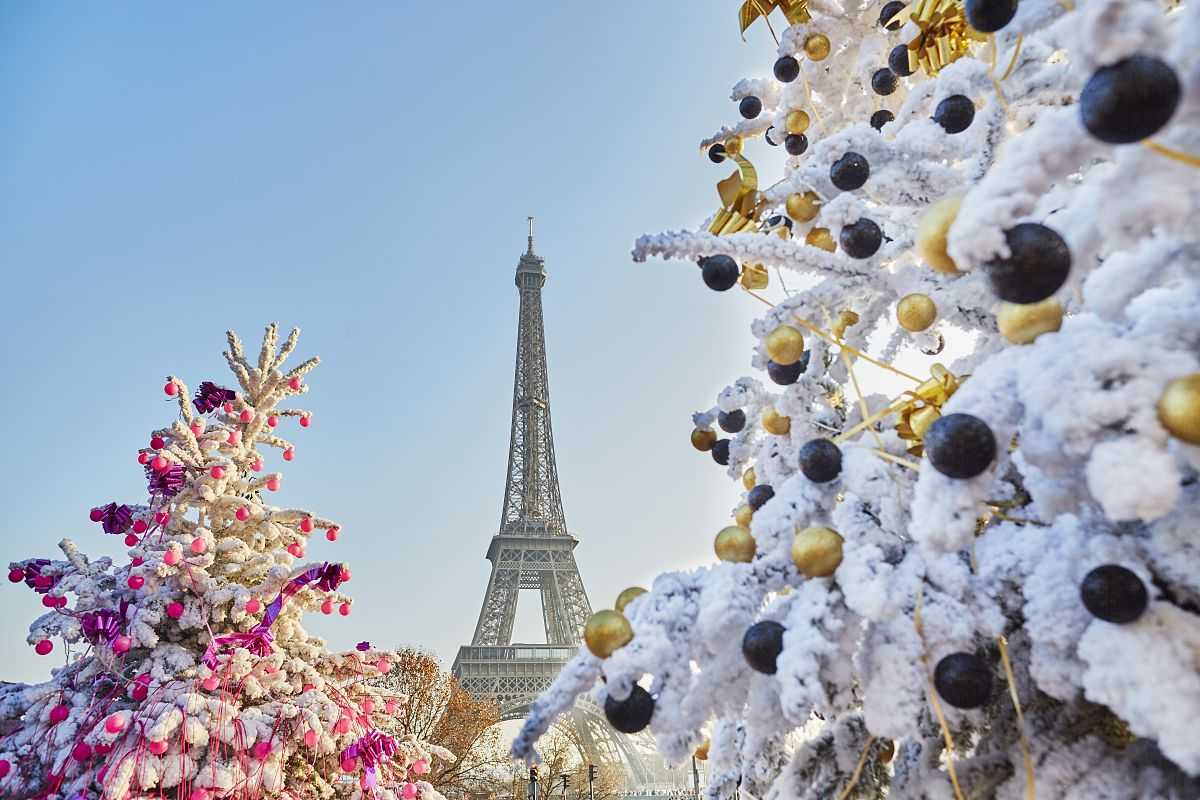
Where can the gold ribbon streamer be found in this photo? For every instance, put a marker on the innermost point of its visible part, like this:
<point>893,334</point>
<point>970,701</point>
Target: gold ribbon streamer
<point>1172,153</point>
<point>1030,783</point>
<point>842,795</point>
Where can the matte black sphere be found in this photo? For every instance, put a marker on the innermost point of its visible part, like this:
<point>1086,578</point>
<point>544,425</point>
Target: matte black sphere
<point>861,239</point>
<point>850,172</point>
<point>955,114</point>
<point>632,714</point>
<point>963,680</point>
<point>795,144</point>
<point>779,219</point>
<point>989,16</point>
<point>1114,594</point>
<point>767,135</point>
<point>786,375</point>
<point>898,61</point>
<point>757,497</point>
<point>820,460</point>
<point>716,153</point>
<point>883,81</point>
<point>719,272</point>
<point>787,69</point>
<point>720,452</point>
<point>880,118</point>
<point>888,11</point>
<point>960,445</point>
<point>1130,100</point>
<point>750,107</point>
<point>732,421</point>
<point>762,645</point>
<point>1036,267</point>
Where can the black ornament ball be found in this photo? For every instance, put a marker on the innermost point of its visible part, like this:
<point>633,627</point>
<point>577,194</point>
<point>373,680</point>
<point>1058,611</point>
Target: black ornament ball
<point>719,272</point>
<point>762,645</point>
<point>883,81</point>
<point>787,69</point>
<point>770,139</point>
<point>732,421</point>
<point>757,497</point>
<point>1130,100</point>
<point>850,172</point>
<point>720,452</point>
<point>963,680</point>
<point>778,219</point>
<point>888,11</point>
<point>786,375</point>
<point>1114,594</point>
<point>750,107</point>
<point>820,460</point>
<point>955,114</point>
<point>632,714</point>
<point>989,16</point>
<point>861,239</point>
<point>1036,267</point>
<point>960,445</point>
<point>795,144</point>
<point>880,118</point>
<point>898,61</point>
<point>716,153</point>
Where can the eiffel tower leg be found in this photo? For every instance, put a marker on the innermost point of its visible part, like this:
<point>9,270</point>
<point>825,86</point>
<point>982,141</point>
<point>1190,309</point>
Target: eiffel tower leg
<point>499,608</point>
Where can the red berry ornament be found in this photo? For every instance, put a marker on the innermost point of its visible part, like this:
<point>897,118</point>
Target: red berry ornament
<point>171,389</point>
<point>43,647</point>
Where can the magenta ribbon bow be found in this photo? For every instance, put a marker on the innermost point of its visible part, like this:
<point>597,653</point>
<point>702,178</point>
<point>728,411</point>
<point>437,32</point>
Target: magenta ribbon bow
<point>105,624</point>
<point>167,483</point>
<point>373,749</point>
<point>259,638</point>
<point>116,518</point>
<point>211,397</point>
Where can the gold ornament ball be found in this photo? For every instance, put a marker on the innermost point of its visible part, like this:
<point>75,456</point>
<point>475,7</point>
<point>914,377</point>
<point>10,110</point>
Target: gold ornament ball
<point>1022,323</point>
<point>742,515</point>
<point>932,232</point>
<point>733,145</point>
<point>701,753</point>
<point>886,751</point>
<point>817,552</point>
<point>628,596</point>
<point>803,207</point>
<point>606,632</point>
<point>816,47</point>
<point>822,238</point>
<point>785,345</point>
<point>703,440</point>
<point>735,544</point>
<point>916,312</point>
<point>749,479</point>
<point>797,121</point>
<point>1179,408</point>
<point>776,423</point>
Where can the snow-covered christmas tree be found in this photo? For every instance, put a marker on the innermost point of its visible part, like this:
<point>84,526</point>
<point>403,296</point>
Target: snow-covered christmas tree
<point>985,584</point>
<point>187,672</point>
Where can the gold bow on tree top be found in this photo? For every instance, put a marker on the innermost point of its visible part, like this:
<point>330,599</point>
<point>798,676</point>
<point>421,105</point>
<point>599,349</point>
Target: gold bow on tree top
<point>945,35</point>
<point>924,407</point>
<point>796,11</point>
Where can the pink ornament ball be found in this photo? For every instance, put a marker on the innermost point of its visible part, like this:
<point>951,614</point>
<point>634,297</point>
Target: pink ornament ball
<point>273,483</point>
<point>391,706</point>
<point>310,738</point>
<point>115,723</point>
<point>409,792</point>
<point>289,454</point>
<point>5,768</point>
<point>272,420</point>
<point>242,514</point>
<point>227,407</point>
<point>139,693</point>
<point>172,556</point>
<point>420,766</point>
<point>136,582</point>
<point>157,442</point>
<point>234,437</point>
<point>294,384</point>
<point>327,606</point>
<point>158,747</point>
<point>59,713</point>
<point>211,683</point>
<point>102,750</point>
<point>332,534</point>
<point>162,517</point>
<point>198,794</point>
<point>43,647</point>
<point>199,546</point>
<point>256,465</point>
<point>296,550</point>
<point>143,458</point>
<point>262,750</point>
<point>175,610</point>
<point>121,644</point>
<point>171,389</point>
<point>16,575</point>
<point>253,605</point>
<point>342,725</point>
<point>349,764</point>
<point>137,561</point>
<point>159,463</point>
<point>218,472</point>
<point>383,665</point>
<point>345,574</point>
<point>130,540</point>
<point>368,706</point>
<point>306,525</point>
<point>95,515</point>
<point>305,421</point>
<point>48,601</point>
<point>247,415</point>
<point>140,526</point>
<point>197,428</point>
<point>344,609</point>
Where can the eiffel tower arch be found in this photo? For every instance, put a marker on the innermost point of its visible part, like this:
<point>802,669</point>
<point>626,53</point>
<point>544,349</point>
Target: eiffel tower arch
<point>533,551</point>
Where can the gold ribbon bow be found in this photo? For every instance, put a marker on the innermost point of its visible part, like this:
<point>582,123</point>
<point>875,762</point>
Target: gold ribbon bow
<point>741,202</point>
<point>924,408</point>
<point>945,35</point>
<point>796,12</point>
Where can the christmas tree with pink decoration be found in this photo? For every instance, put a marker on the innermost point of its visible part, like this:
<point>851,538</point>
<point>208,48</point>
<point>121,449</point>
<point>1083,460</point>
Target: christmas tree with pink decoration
<point>187,673</point>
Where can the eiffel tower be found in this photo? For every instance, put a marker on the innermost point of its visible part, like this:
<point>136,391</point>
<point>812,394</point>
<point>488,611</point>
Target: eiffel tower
<point>533,550</point>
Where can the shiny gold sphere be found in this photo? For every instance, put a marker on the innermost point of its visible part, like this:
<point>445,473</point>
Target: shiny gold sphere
<point>932,232</point>
<point>816,46</point>
<point>703,440</point>
<point>1179,408</point>
<point>701,753</point>
<point>606,632</point>
<point>776,423</point>
<point>822,238</point>
<point>735,544</point>
<point>1021,323</point>
<point>628,596</point>
<point>886,751</point>
<point>803,207</point>
<point>817,552</point>
<point>733,145</point>
<point>785,345</point>
<point>742,515</point>
<point>797,121</point>
<point>749,479</point>
<point>916,312</point>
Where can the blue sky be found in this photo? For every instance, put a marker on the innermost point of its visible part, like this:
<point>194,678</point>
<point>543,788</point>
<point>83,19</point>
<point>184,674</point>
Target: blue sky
<point>169,171</point>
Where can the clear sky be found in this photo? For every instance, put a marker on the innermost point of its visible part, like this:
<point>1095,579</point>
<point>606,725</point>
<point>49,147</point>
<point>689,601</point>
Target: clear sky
<point>169,171</point>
